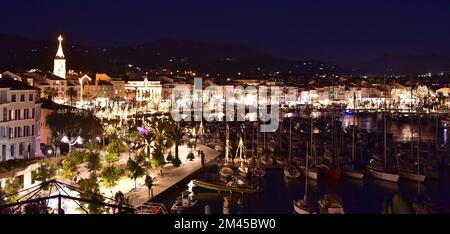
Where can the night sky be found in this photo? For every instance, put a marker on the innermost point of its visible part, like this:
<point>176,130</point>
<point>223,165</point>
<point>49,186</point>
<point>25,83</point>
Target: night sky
<point>344,31</point>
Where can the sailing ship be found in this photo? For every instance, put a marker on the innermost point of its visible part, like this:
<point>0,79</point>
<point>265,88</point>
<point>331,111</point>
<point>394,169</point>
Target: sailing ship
<point>410,170</point>
<point>242,159</point>
<point>291,171</point>
<point>258,170</point>
<point>312,172</point>
<point>377,167</point>
<point>349,170</point>
<point>226,170</point>
<point>304,206</point>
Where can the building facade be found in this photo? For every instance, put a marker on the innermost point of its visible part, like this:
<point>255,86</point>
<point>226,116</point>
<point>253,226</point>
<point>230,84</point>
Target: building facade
<point>20,118</point>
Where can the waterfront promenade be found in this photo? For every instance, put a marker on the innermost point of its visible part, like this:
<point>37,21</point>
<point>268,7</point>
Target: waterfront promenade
<point>171,175</point>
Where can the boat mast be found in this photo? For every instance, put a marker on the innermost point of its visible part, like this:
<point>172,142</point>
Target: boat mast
<point>353,127</point>
<point>384,119</point>
<point>312,133</point>
<point>290,139</point>
<point>227,144</point>
<point>412,118</point>
<point>306,174</point>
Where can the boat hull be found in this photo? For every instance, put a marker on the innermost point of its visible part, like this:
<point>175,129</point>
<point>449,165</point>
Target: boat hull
<point>281,162</point>
<point>412,176</point>
<point>301,208</point>
<point>292,173</point>
<point>330,174</point>
<point>353,174</point>
<point>218,186</point>
<point>226,172</point>
<point>383,175</point>
<point>258,172</point>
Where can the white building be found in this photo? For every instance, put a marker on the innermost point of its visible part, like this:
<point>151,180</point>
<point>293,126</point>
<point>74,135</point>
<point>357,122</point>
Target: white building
<point>19,120</point>
<point>144,90</point>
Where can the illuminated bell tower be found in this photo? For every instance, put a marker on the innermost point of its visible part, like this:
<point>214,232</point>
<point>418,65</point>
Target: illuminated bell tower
<point>59,67</point>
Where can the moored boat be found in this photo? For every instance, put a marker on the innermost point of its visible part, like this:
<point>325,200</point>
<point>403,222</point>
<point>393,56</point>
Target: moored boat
<point>331,204</point>
<point>411,175</point>
<point>183,203</point>
<point>281,161</point>
<point>304,207</point>
<point>258,172</point>
<point>226,172</point>
<point>382,174</point>
<point>227,187</point>
<point>292,172</point>
<point>329,173</point>
<point>357,174</point>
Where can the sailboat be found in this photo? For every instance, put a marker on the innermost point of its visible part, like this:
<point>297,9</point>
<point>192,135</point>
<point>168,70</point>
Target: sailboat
<point>350,170</point>
<point>226,170</point>
<point>330,170</point>
<point>412,171</point>
<point>376,168</point>
<point>241,159</point>
<point>304,206</point>
<point>290,171</point>
<point>258,170</point>
<point>312,172</point>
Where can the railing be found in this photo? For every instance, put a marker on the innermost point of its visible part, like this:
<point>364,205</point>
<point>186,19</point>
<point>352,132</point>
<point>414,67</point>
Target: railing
<point>151,208</point>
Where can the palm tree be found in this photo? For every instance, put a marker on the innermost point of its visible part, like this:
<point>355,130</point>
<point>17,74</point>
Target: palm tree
<point>176,134</point>
<point>94,164</point>
<point>149,137</point>
<point>110,175</point>
<point>71,92</point>
<point>50,92</point>
<point>135,169</point>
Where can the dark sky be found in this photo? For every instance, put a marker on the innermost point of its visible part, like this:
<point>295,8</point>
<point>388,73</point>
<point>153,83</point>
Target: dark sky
<point>335,30</point>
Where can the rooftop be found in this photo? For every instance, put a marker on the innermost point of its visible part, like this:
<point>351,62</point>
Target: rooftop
<point>6,82</point>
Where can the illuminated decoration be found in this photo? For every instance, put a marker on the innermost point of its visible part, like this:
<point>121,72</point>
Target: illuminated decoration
<point>66,140</point>
<point>143,131</point>
<point>59,67</point>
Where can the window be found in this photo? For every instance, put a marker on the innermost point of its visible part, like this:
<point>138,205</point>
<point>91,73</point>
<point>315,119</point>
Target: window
<point>31,97</point>
<point>13,98</point>
<point>32,113</point>
<point>12,151</point>
<point>2,132</point>
<point>21,149</point>
<point>10,115</point>
<point>3,153</point>
<point>5,114</point>
<point>22,97</point>
<point>17,114</point>
<point>3,96</point>
<point>32,130</point>
<point>10,133</point>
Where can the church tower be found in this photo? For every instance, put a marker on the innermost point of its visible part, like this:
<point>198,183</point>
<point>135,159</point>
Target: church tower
<point>59,67</point>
